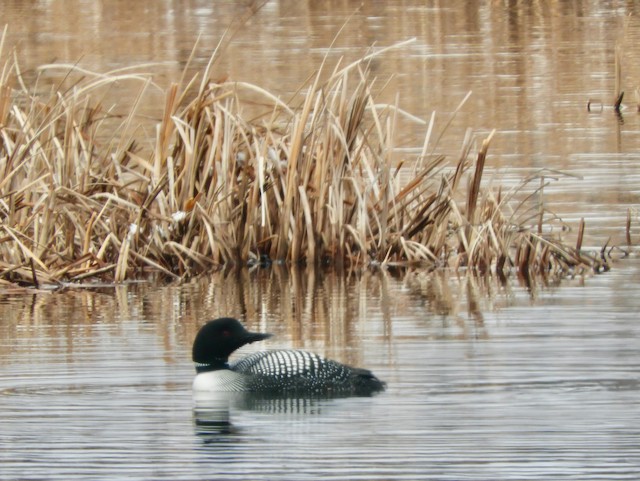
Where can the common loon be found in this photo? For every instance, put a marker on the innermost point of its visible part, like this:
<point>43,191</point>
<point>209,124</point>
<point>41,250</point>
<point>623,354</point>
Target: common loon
<point>279,372</point>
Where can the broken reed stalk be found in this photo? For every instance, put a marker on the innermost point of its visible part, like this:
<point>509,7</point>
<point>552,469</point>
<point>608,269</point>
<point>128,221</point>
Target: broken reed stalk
<point>318,184</point>
<point>618,77</point>
<point>474,191</point>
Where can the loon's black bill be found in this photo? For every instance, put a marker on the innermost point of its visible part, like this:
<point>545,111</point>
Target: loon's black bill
<point>256,336</point>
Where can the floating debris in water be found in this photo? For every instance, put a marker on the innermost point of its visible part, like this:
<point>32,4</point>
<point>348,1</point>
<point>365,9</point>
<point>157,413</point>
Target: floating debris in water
<point>595,105</point>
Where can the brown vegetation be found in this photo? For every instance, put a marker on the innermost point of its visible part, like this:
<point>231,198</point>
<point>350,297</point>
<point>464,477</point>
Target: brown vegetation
<point>316,182</point>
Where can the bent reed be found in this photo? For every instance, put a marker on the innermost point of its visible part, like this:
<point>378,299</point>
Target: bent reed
<point>316,183</point>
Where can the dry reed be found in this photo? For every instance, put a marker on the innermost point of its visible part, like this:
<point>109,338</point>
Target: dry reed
<point>315,184</point>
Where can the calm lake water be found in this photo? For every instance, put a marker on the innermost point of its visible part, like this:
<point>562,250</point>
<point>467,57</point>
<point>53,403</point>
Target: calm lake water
<point>486,380</point>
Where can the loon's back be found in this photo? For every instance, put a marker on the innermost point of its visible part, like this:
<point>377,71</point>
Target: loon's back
<point>292,371</point>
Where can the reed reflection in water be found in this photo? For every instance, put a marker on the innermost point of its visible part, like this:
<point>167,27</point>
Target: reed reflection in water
<point>485,380</point>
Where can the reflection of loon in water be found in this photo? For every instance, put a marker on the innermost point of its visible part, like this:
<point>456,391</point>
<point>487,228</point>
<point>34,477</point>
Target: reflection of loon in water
<point>211,422</point>
<point>272,373</point>
<point>212,414</point>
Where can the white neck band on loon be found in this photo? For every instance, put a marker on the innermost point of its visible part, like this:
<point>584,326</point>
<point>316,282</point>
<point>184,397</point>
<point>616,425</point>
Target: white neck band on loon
<point>214,365</point>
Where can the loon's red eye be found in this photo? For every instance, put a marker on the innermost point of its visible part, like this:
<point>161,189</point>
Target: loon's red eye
<point>226,332</point>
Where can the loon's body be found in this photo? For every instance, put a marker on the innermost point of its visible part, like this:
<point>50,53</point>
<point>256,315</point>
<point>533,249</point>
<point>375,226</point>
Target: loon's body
<point>281,372</point>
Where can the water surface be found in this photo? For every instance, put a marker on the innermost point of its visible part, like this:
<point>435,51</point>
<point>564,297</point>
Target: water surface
<point>486,380</point>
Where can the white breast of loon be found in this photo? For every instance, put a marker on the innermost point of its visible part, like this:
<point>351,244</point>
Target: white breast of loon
<point>222,380</point>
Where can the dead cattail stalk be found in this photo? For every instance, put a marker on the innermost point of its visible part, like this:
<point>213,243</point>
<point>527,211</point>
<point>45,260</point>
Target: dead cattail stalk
<point>619,94</point>
<point>580,235</point>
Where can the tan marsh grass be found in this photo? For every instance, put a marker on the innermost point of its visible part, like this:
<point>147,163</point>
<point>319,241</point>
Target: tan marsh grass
<point>314,181</point>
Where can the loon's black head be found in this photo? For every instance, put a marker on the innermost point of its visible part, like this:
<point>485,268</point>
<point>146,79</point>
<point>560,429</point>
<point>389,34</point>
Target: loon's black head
<point>217,339</point>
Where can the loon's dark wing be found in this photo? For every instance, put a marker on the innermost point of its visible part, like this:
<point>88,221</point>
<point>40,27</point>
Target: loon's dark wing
<point>284,364</point>
<point>305,372</point>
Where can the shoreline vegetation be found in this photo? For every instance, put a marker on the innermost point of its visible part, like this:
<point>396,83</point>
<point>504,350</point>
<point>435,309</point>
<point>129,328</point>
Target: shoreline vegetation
<point>315,182</point>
